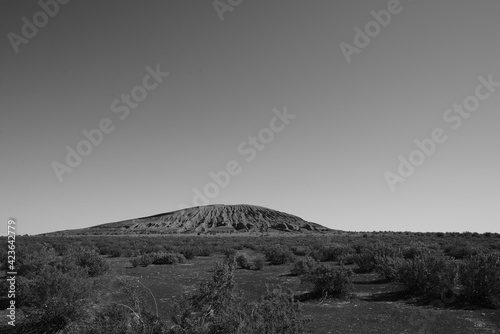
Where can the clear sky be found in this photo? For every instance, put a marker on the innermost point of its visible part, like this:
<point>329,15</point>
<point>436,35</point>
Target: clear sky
<point>331,156</point>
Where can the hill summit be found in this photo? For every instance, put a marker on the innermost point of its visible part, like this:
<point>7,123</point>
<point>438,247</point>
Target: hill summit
<point>208,219</point>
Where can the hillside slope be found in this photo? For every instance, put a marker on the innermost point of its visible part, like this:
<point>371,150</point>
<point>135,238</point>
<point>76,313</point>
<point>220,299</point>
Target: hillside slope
<point>207,219</point>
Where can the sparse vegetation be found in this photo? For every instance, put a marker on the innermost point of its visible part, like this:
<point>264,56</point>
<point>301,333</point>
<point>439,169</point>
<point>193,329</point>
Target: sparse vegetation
<point>303,266</point>
<point>329,282</point>
<point>427,274</point>
<point>279,254</point>
<point>218,307</point>
<point>479,278</point>
<point>243,261</point>
<point>55,291</point>
<point>64,283</point>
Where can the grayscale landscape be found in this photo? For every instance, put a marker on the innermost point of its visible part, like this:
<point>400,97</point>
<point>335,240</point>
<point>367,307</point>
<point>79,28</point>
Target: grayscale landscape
<point>249,167</point>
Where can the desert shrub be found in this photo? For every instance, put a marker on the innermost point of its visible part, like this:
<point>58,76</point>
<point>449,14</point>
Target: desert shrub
<point>461,250</point>
<point>128,253</point>
<point>56,291</point>
<point>257,263</point>
<point>115,252</point>
<point>31,258</point>
<point>276,312</point>
<point>61,248</point>
<point>89,260</point>
<point>328,253</point>
<point>204,251</point>
<point>347,258</point>
<point>479,277</point>
<point>110,319</point>
<point>53,299</point>
<point>168,258</point>
<point>214,308</point>
<point>146,259</point>
<point>300,250</point>
<point>109,248</point>
<point>318,255</point>
<point>250,245</point>
<point>243,261</point>
<point>303,266</point>
<point>327,281</point>
<point>152,248</point>
<point>387,266</point>
<point>188,252</point>
<point>278,254</point>
<point>337,253</point>
<point>135,262</point>
<point>366,257</point>
<point>129,317</point>
<point>412,251</point>
<point>229,252</point>
<point>427,274</point>
<point>365,261</point>
<point>217,307</point>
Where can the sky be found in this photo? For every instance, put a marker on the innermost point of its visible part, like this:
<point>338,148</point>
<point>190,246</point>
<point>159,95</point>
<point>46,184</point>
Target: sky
<point>361,115</point>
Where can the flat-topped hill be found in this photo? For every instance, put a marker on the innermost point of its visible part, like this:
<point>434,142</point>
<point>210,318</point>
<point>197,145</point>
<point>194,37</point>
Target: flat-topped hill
<point>207,219</point>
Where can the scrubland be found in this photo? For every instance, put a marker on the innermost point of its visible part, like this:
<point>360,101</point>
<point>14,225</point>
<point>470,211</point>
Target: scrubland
<point>339,282</point>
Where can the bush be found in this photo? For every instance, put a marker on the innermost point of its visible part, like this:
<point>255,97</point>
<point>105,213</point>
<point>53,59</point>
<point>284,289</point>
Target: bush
<point>257,263</point>
<point>461,250</point>
<point>300,250</point>
<point>89,260</point>
<point>229,252</point>
<point>120,318</point>
<point>217,307</point>
<point>327,281</point>
<point>135,262</point>
<point>366,257</point>
<point>31,258</point>
<point>427,274</point>
<point>214,308</point>
<point>346,259</point>
<point>188,253</point>
<point>130,253</point>
<point>168,258</point>
<point>479,277</point>
<point>303,266</point>
<point>53,299</point>
<point>412,251</point>
<point>243,261</point>
<point>55,292</point>
<point>246,262</point>
<point>146,259</point>
<point>279,254</point>
<point>114,252</point>
<point>387,267</point>
<point>250,246</point>
<point>204,251</point>
<point>276,312</point>
<point>329,253</point>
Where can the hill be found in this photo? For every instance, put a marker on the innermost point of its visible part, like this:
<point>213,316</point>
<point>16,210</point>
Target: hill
<point>206,219</point>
